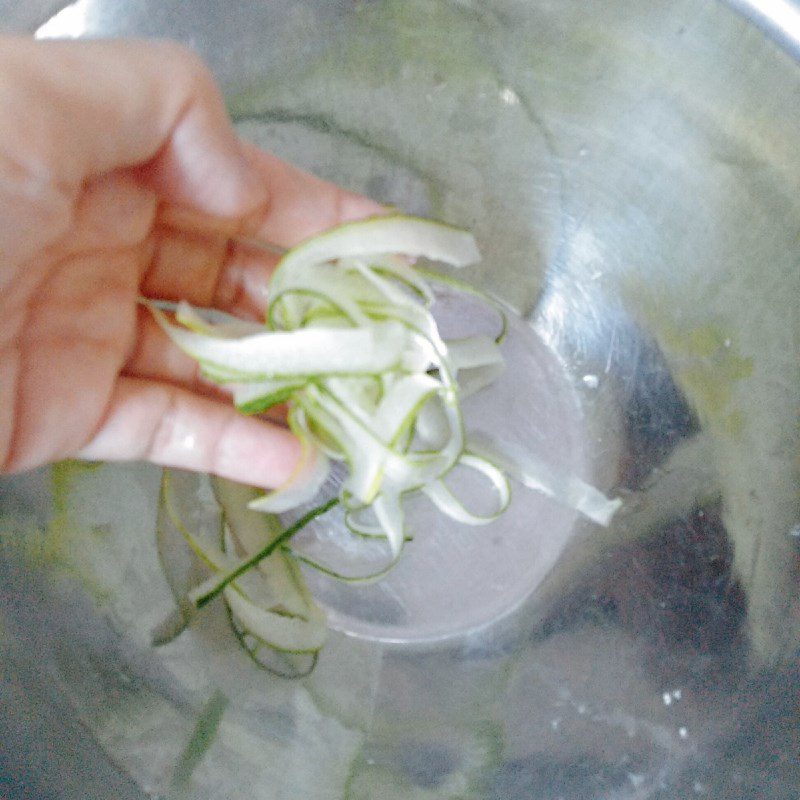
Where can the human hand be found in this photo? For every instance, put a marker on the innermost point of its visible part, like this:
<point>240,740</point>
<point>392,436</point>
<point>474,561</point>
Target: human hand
<point>116,160</point>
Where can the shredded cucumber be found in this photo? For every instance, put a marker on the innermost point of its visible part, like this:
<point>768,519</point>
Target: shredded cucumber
<point>352,347</point>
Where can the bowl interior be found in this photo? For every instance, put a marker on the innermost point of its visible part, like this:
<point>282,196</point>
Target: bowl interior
<point>630,172</point>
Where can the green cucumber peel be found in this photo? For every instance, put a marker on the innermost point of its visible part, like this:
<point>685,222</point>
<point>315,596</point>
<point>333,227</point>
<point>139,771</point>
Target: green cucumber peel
<point>220,583</point>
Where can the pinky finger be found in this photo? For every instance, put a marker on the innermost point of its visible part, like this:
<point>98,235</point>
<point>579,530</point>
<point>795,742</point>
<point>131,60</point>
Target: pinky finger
<point>167,425</point>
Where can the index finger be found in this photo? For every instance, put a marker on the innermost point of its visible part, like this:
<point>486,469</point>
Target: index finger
<point>202,260</point>
<point>73,111</point>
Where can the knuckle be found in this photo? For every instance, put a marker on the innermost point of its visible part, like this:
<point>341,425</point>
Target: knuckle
<point>187,68</point>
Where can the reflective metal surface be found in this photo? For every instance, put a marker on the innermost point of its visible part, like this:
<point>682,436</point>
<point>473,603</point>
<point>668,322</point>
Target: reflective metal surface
<point>780,19</point>
<point>631,172</point>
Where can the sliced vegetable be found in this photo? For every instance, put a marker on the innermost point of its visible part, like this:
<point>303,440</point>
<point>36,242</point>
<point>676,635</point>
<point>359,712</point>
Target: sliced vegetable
<point>353,349</point>
<point>308,352</point>
<point>310,475</point>
<point>269,607</point>
<point>207,591</point>
<point>205,732</point>
<point>446,501</point>
<point>535,474</point>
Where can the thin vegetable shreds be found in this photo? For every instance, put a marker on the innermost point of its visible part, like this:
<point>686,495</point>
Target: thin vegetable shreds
<point>352,347</point>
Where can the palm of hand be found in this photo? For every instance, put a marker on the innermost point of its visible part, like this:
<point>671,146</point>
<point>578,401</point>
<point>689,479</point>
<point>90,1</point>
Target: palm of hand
<point>70,323</point>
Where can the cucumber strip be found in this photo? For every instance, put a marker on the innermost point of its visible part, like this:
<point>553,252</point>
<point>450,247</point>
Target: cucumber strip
<point>396,411</point>
<point>371,461</point>
<point>402,402</point>
<point>231,328</point>
<point>388,291</point>
<point>352,347</point>
<point>399,269</point>
<point>204,594</point>
<point>212,556</point>
<point>364,529</point>
<point>290,634</point>
<point>309,351</point>
<point>446,501</point>
<point>535,474</point>
<point>365,579</point>
<point>263,585</point>
<point>365,453</point>
<point>266,657</point>
<point>432,425</point>
<point>253,531</point>
<point>474,380</point>
<point>255,398</point>
<point>389,512</point>
<point>473,351</point>
<point>215,558</point>
<point>462,286</point>
<point>255,588</point>
<point>302,487</point>
<point>404,235</point>
<point>221,375</point>
<point>296,302</point>
<point>203,737</point>
<point>170,628</point>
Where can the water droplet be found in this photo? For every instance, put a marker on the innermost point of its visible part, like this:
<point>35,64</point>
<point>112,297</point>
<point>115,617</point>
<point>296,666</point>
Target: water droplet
<point>188,442</point>
<point>683,733</point>
<point>583,151</point>
<point>509,96</point>
<point>667,698</point>
<point>592,381</point>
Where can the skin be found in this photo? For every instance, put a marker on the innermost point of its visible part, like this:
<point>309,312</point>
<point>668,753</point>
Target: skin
<point>120,177</point>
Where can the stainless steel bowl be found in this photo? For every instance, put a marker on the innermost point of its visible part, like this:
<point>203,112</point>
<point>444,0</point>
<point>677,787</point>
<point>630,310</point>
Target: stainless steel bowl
<point>631,171</point>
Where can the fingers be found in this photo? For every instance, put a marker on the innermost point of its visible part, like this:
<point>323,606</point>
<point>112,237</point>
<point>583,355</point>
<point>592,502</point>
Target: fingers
<point>172,427</point>
<point>301,204</point>
<point>75,110</point>
<point>53,393</point>
<point>198,260</point>
<point>87,108</point>
<point>209,271</point>
<point>113,212</point>
<point>156,358</point>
